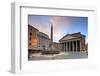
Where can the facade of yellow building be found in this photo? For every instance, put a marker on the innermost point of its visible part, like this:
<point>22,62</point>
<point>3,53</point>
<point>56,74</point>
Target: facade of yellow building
<point>37,39</point>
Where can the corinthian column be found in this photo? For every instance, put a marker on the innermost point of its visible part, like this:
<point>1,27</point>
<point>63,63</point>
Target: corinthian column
<point>73,46</point>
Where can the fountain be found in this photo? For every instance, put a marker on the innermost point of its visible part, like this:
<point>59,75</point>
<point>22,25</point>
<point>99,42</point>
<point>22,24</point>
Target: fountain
<point>51,49</point>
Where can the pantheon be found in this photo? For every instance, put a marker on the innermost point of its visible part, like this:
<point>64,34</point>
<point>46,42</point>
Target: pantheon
<point>74,42</point>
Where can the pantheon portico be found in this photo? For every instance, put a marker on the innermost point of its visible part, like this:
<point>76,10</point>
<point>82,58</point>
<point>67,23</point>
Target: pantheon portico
<point>74,42</point>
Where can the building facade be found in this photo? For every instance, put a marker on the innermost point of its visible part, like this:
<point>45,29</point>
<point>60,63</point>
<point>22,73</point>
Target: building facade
<point>44,40</point>
<point>37,39</point>
<point>32,37</point>
<point>73,42</point>
<point>57,46</point>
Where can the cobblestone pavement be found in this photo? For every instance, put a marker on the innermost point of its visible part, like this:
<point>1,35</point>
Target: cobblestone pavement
<point>63,55</point>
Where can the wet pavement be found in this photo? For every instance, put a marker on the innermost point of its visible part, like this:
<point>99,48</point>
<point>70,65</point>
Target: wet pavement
<point>63,55</point>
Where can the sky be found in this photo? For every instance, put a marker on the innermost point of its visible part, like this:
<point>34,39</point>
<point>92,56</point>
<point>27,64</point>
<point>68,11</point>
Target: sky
<point>62,25</point>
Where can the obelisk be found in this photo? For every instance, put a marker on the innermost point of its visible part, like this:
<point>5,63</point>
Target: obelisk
<point>51,33</point>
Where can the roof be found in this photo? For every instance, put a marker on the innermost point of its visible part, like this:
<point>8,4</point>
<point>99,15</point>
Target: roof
<point>72,36</point>
<point>32,27</point>
<point>41,34</point>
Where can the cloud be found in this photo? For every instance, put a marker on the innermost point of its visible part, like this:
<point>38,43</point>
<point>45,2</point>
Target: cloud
<point>55,20</point>
<point>60,25</point>
<point>86,40</point>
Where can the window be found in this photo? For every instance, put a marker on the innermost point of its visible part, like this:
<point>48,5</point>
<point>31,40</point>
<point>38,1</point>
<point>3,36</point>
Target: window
<point>29,43</point>
<point>30,33</point>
